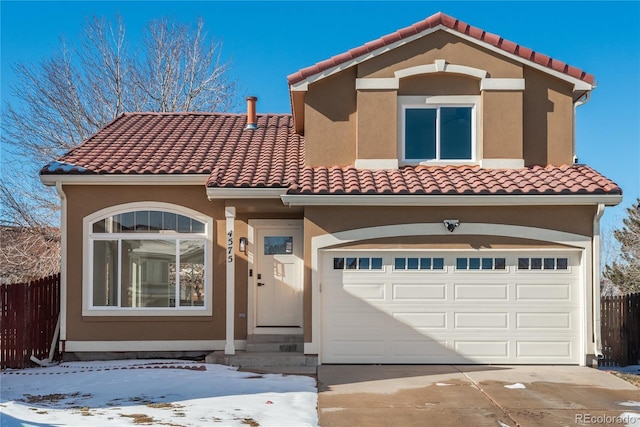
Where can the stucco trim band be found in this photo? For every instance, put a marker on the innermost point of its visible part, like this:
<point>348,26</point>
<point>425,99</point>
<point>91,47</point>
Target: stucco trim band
<point>376,164</point>
<point>168,345</point>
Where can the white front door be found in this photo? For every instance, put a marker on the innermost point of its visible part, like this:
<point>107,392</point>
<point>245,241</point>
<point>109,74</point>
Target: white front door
<point>278,275</point>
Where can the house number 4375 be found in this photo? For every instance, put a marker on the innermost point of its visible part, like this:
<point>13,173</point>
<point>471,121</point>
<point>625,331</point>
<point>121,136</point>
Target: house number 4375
<point>230,246</point>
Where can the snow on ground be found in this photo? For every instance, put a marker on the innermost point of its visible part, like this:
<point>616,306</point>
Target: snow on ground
<point>154,392</point>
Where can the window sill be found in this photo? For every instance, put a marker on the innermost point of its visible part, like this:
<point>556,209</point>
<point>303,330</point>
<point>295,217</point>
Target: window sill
<point>158,312</point>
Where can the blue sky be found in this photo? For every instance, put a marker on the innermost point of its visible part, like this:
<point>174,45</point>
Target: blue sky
<point>269,40</point>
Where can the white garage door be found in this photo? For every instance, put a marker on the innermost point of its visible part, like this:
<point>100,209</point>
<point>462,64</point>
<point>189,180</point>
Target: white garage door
<point>450,307</point>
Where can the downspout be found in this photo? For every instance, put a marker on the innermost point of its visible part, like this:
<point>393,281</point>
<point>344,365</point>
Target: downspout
<point>61,324</point>
<point>597,344</point>
<point>63,265</point>
<point>578,102</point>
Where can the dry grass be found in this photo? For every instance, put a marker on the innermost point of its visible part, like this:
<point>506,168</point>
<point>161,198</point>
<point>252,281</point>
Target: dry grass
<point>632,378</point>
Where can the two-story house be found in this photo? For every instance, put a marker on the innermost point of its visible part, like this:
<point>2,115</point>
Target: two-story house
<point>421,204</point>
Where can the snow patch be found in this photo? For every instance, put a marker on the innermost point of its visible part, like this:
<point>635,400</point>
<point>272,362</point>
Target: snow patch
<point>630,403</point>
<point>442,384</point>
<point>515,386</point>
<point>158,392</point>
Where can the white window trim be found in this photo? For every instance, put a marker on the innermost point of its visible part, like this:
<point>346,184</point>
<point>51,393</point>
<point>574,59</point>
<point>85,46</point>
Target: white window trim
<point>473,101</point>
<point>88,237</point>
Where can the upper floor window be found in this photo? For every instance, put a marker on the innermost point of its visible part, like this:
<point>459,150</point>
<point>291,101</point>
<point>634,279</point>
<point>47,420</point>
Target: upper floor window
<point>147,262</point>
<point>438,129</point>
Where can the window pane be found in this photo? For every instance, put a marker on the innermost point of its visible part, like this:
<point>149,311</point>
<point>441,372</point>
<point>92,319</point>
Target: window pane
<point>148,273</point>
<point>338,263</point>
<point>412,263</point>
<point>420,133</point>
<point>184,224</point>
<point>461,263</point>
<point>105,273</point>
<point>127,221</point>
<point>400,263</point>
<point>376,263</point>
<point>278,245</point>
<point>536,263</point>
<point>455,133</point>
<point>155,220</point>
<point>500,264</point>
<point>438,263</point>
<point>363,263</point>
<point>487,263</point>
<point>563,263</point>
<point>191,273</point>
<point>523,263</point>
<point>549,263</point>
<point>169,221</point>
<point>474,263</point>
<point>425,263</point>
<point>352,263</point>
<point>100,226</point>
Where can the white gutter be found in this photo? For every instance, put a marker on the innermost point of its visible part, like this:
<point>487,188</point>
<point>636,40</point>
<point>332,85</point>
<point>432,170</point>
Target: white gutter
<point>597,342</point>
<point>245,193</point>
<point>452,200</point>
<point>63,264</point>
<point>125,179</point>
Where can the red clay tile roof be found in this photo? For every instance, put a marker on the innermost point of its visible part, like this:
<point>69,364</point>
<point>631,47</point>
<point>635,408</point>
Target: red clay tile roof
<point>191,143</point>
<point>273,156</point>
<point>453,24</point>
<point>452,180</point>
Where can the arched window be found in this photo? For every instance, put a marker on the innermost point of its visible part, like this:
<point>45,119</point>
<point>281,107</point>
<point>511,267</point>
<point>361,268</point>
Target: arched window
<point>148,260</point>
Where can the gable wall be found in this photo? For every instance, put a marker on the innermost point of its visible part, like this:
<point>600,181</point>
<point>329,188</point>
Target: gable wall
<point>343,124</point>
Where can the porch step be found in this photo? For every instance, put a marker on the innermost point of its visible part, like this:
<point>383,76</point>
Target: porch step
<point>284,362</point>
<point>268,343</point>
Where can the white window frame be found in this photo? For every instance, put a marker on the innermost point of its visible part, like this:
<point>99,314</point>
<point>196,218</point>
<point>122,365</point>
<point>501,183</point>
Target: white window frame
<point>433,102</point>
<point>89,237</point>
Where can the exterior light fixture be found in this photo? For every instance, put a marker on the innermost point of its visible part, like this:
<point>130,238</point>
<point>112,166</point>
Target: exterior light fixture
<point>451,224</point>
<point>243,245</point>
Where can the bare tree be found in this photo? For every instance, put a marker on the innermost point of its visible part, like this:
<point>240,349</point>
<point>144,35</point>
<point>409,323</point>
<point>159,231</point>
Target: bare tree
<point>69,95</point>
<point>624,273</point>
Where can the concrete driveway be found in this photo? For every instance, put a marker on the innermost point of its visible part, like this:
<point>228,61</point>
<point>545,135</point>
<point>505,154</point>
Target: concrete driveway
<point>453,395</point>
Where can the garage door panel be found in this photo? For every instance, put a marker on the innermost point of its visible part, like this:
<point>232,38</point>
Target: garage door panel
<point>543,291</point>
<point>544,349</point>
<point>420,320</point>
<point>481,321</point>
<point>419,291</point>
<point>450,316</point>
<point>366,291</point>
<point>478,350</point>
<point>544,320</point>
<point>480,291</point>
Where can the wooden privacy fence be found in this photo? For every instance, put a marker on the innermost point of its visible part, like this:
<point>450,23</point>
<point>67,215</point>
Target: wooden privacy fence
<point>620,330</point>
<point>29,317</point>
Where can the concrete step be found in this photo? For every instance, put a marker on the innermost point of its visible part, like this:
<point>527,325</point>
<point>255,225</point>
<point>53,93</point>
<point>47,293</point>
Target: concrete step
<point>245,359</point>
<point>275,347</point>
<point>275,338</point>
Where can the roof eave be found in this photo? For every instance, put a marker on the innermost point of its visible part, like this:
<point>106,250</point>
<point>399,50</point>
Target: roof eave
<point>450,200</point>
<point>124,179</point>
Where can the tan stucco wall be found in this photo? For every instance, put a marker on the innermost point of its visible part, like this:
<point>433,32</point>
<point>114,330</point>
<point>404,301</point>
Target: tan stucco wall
<point>548,120</point>
<point>439,45</point>
<point>502,125</point>
<point>330,121</point>
<point>332,219</point>
<point>377,129</point>
<point>85,200</point>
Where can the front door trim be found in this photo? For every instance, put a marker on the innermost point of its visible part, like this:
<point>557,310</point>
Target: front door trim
<point>254,226</point>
